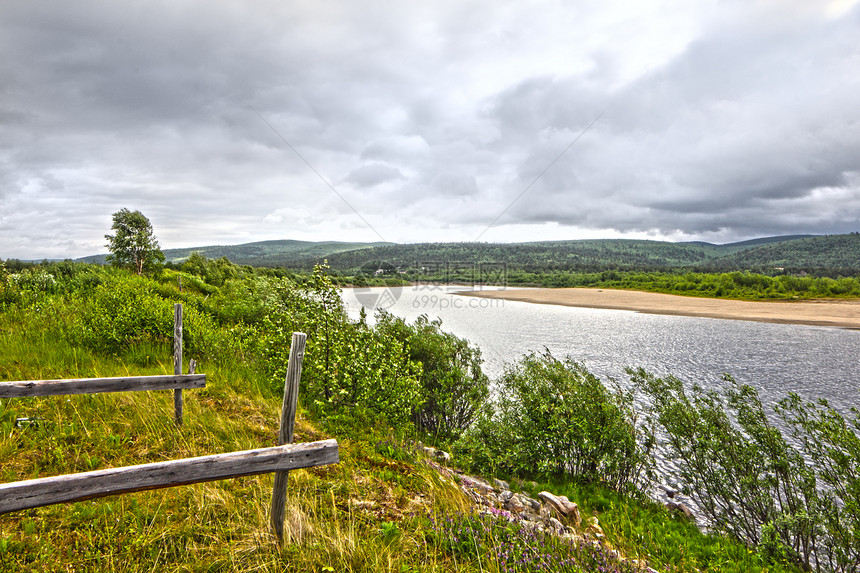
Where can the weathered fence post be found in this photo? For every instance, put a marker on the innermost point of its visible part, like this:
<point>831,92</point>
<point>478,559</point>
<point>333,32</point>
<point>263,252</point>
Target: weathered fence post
<point>285,434</point>
<point>177,360</point>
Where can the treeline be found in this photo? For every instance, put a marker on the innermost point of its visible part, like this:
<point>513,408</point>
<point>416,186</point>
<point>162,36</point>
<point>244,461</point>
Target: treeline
<point>732,285</point>
<point>833,255</point>
<point>825,255</point>
<point>549,255</point>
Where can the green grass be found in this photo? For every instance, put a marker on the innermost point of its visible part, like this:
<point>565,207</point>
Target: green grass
<point>649,531</point>
<point>213,526</point>
<point>380,509</point>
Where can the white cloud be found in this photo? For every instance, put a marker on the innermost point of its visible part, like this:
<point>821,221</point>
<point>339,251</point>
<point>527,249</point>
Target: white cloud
<point>226,122</point>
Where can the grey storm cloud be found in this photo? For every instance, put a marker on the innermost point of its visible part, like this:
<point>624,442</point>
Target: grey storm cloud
<point>228,122</point>
<point>373,174</point>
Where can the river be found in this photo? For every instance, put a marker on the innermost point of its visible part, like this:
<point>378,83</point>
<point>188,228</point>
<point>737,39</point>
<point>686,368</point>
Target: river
<point>812,361</point>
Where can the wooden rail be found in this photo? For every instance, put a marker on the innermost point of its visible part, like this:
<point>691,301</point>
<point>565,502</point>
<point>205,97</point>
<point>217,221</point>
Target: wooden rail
<point>76,487</point>
<point>21,389</point>
<point>177,382</point>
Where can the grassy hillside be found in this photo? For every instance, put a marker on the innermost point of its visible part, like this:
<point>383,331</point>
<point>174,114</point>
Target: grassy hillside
<point>385,507</point>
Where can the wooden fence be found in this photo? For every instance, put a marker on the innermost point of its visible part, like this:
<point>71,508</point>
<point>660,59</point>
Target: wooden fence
<point>177,382</point>
<point>280,459</point>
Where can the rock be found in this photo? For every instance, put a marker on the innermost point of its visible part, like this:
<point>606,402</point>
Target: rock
<point>562,506</point>
<point>514,505</point>
<point>476,484</point>
<point>529,502</point>
<point>363,504</point>
<point>594,527</point>
<point>681,508</point>
<point>669,491</point>
<point>501,485</point>
<point>572,538</point>
<point>528,516</point>
<point>545,513</point>
<point>438,455</point>
<point>555,526</point>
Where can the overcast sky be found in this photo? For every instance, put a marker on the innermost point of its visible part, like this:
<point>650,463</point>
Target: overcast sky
<point>231,122</point>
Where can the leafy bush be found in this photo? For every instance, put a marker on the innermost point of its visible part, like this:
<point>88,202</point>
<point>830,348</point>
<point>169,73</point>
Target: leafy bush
<point>215,272</point>
<point>832,444</point>
<point>347,365</point>
<point>121,311</point>
<point>796,505</point>
<point>453,387</point>
<point>741,472</point>
<point>552,417</point>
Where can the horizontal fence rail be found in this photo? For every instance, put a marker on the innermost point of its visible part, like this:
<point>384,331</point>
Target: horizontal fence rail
<point>22,389</point>
<point>39,492</point>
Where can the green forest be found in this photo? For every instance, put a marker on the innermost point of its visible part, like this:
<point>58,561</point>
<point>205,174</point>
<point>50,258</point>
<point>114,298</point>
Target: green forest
<point>829,255</point>
<point>384,391</point>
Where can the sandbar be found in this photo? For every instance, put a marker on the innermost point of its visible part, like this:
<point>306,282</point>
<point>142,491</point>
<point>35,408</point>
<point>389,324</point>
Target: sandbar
<point>842,313</point>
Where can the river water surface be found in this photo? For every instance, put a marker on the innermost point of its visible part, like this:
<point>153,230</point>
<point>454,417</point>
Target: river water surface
<point>813,361</point>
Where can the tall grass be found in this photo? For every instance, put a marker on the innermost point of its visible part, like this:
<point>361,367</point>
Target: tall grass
<point>379,509</point>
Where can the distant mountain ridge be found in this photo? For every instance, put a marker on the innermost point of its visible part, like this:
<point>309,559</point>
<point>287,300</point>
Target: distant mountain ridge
<point>795,251</point>
<point>260,253</point>
<point>800,252</point>
<point>833,252</point>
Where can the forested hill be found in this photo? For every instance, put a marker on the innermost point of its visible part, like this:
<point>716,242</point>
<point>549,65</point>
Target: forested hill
<point>262,253</point>
<point>830,252</point>
<point>801,252</point>
<point>539,255</point>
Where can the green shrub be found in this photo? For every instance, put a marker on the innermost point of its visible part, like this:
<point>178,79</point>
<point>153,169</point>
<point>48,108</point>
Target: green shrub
<point>552,417</point>
<point>745,477</point>
<point>832,445</point>
<point>347,365</point>
<point>453,387</point>
<point>124,310</point>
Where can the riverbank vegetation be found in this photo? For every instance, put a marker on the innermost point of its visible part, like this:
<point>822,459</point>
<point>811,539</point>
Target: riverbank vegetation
<point>381,390</point>
<point>734,285</point>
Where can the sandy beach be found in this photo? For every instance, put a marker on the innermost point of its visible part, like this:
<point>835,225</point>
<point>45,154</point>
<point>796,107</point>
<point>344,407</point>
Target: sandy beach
<point>838,313</point>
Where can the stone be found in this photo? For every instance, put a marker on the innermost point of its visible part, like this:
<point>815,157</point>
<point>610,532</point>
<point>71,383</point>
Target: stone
<point>514,505</point>
<point>528,516</point>
<point>555,526</point>
<point>563,507</point>
<point>572,537</point>
<point>438,455</point>
<point>476,484</point>
<point>501,485</point>
<point>526,500</point>
<point>682,509</point>
<point>594,527</point>
<point>545,513</point>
